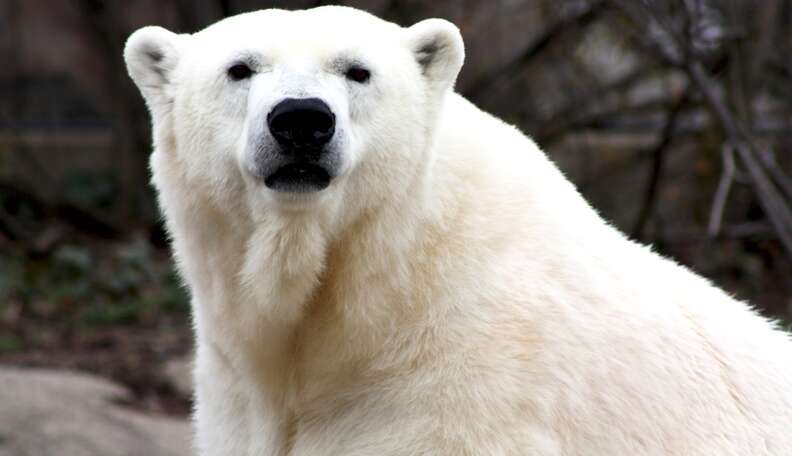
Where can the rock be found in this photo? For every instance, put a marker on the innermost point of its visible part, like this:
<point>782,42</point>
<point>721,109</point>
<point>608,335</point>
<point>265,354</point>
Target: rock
<point>46,412</point>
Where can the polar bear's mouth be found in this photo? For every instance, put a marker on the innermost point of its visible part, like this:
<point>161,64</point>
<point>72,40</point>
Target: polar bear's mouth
<point>298,178</point>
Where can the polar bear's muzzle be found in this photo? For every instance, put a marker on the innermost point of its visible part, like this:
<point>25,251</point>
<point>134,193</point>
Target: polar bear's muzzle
<point>303,158</point>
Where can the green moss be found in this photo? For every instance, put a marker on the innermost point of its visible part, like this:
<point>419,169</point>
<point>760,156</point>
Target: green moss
<point>10,344</point>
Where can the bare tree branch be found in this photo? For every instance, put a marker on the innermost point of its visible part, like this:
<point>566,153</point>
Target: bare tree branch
<point>722,192</point>
<point>579,112</point>
<point>658,158</point>
<point>680,53</point>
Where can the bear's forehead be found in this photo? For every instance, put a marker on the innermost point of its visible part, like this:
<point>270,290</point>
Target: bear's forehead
<point>318,28</point>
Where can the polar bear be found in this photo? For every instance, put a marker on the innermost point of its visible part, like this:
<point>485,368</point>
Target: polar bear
<point>377,267</point>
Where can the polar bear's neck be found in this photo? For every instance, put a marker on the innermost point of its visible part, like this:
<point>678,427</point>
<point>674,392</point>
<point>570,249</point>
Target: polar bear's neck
<point>256,283</point>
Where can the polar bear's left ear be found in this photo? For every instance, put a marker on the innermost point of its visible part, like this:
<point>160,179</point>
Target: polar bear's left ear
<point>439,50</point>
<point>151,55</point>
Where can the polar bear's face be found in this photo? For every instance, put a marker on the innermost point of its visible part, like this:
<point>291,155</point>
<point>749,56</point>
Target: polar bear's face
<point>295,105</point>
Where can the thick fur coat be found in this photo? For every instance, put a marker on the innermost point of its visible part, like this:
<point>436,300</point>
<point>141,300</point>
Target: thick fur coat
<point>449,292</point>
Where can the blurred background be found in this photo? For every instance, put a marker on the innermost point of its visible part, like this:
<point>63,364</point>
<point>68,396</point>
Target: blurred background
<point>673,117</point>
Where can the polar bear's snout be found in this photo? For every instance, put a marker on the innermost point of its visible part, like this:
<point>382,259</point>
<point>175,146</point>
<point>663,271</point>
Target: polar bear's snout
<point>302,125</point>
<point>302,153</point>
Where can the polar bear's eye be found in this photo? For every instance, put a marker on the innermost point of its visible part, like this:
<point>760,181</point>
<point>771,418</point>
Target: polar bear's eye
<point>239,71</point>
<point>358,74</point>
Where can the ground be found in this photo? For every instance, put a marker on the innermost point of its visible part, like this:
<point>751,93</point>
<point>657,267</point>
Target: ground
<point>110,308</point>
<point>48,412</point>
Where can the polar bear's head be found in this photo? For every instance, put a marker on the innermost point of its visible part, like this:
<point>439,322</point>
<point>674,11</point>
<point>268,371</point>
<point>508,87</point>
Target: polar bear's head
<point>292,107</point>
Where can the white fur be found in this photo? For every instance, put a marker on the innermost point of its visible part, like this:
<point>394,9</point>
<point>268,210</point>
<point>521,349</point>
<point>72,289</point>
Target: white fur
<point>449,293</point>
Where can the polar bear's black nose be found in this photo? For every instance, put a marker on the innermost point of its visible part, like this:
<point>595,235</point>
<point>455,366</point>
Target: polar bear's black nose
<point>301,123</point>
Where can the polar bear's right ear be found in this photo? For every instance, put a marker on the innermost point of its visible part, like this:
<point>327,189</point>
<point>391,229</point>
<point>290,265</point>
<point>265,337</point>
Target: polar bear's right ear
<point>151,54</point>
<point>438,49</point>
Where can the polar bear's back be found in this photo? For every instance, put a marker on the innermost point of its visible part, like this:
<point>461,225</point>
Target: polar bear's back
<point>634,353</point>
